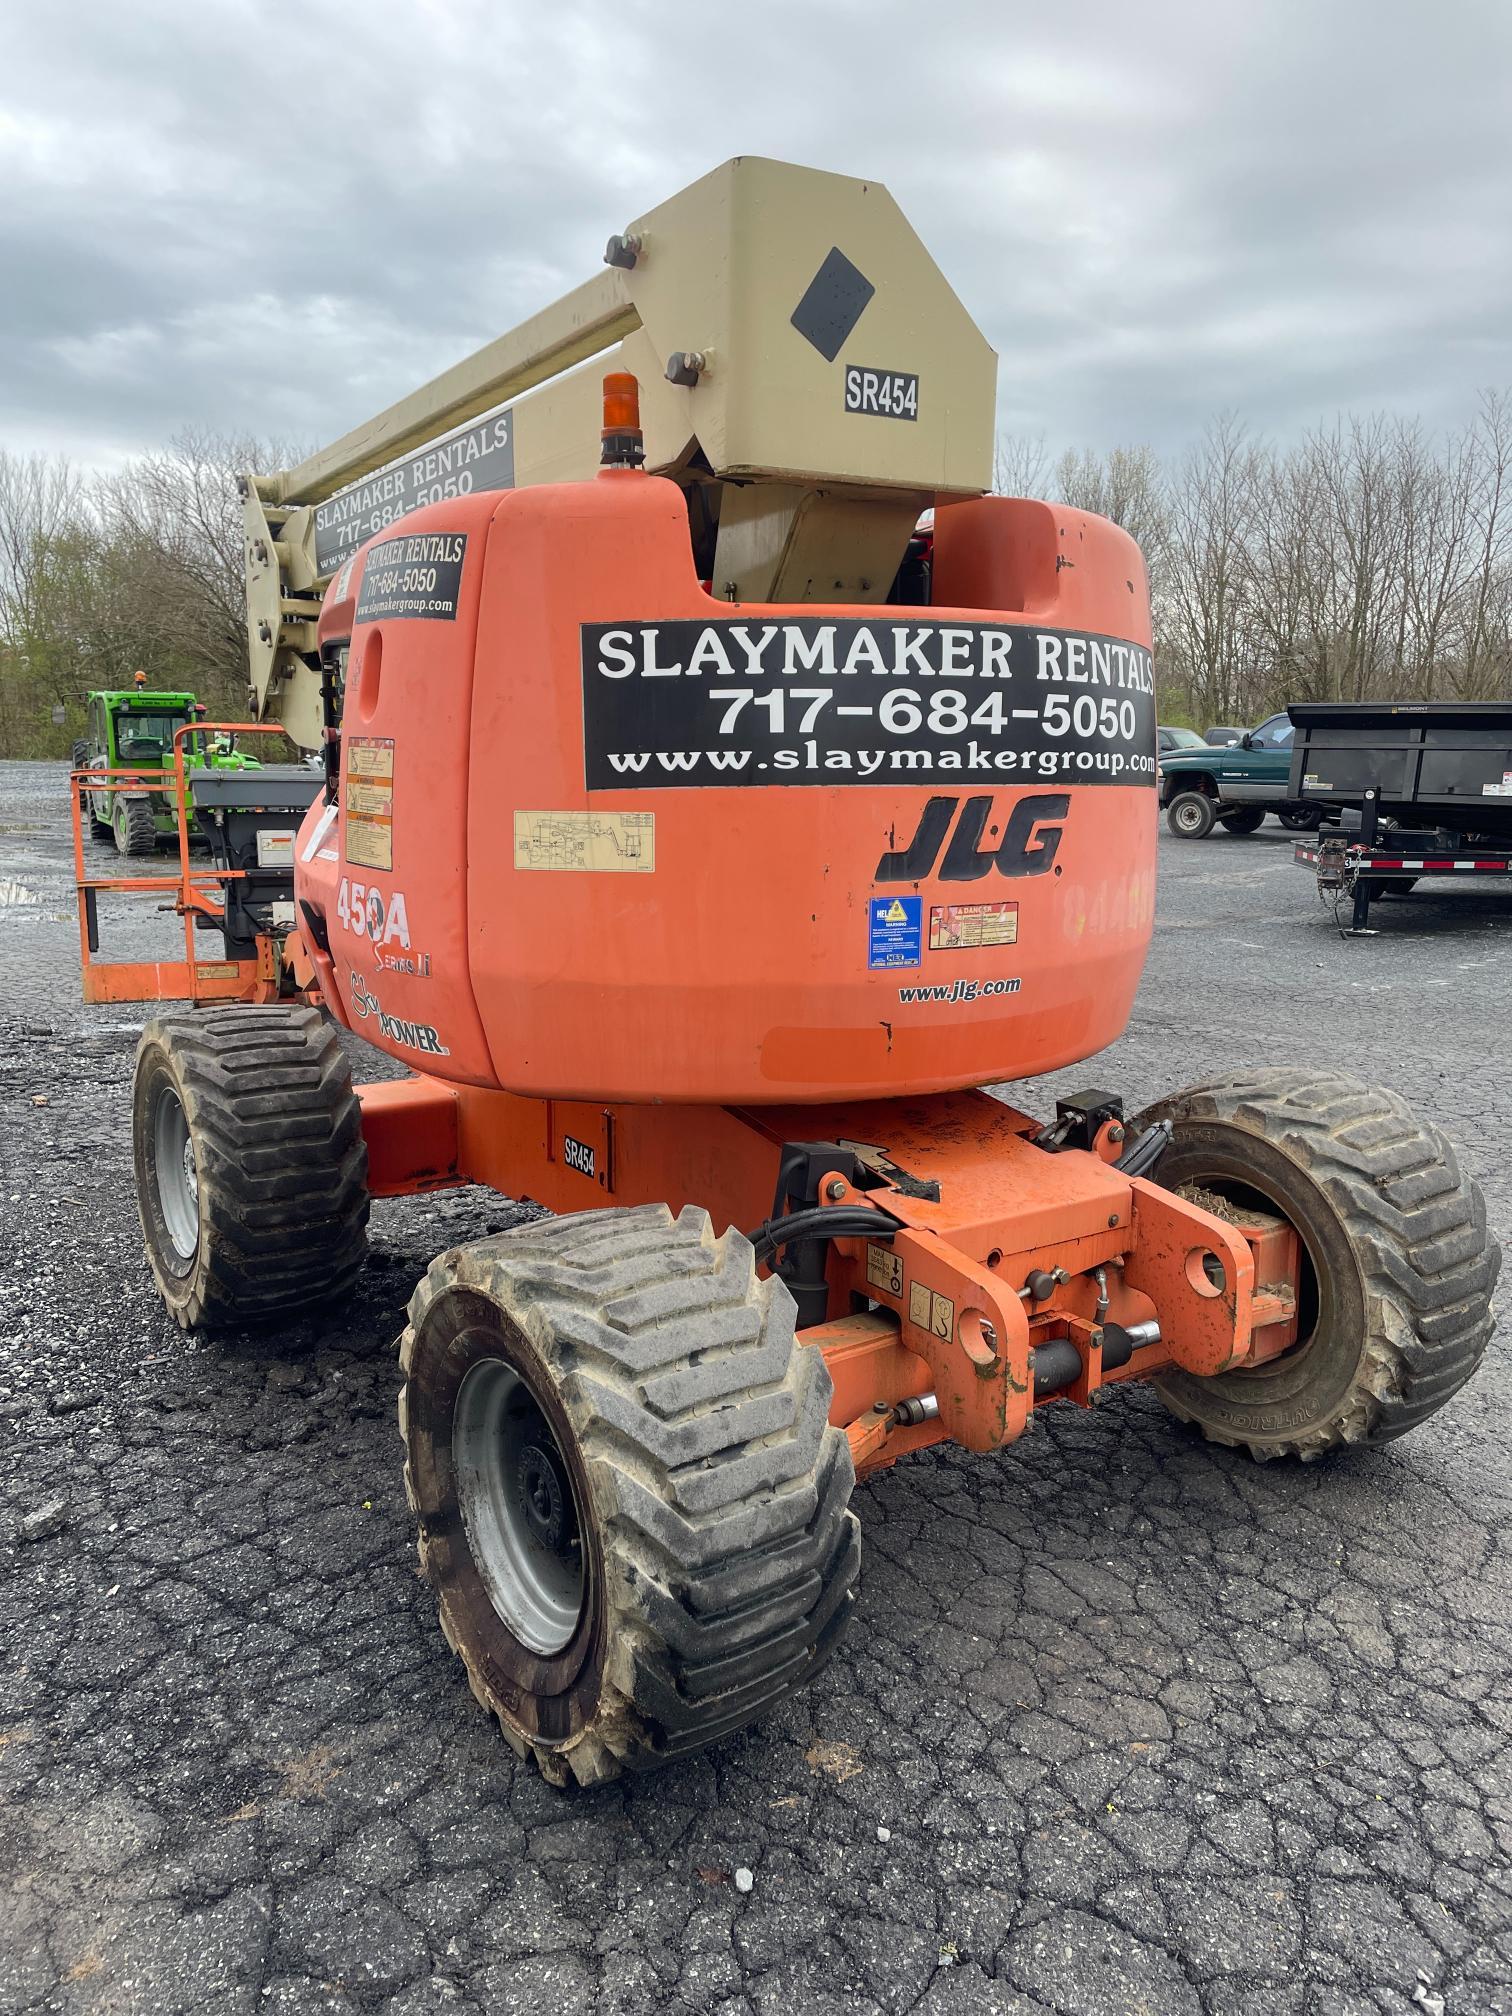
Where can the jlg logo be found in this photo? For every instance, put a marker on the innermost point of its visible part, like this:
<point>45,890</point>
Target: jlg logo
<point>1028,845</point>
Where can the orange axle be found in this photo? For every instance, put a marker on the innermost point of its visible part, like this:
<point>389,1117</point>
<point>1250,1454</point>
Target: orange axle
<point>1031,1275</point>
<point>793,881</point>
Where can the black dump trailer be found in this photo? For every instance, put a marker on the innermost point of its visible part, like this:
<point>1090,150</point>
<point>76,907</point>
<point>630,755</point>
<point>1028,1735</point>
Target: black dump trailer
<point>1430,783</point>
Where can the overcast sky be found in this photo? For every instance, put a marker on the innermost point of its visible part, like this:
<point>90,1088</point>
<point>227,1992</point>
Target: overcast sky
<point>275,218</point>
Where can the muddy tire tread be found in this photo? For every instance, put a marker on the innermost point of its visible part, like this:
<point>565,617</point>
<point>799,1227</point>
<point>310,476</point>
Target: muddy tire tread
<point>141,829</point>
<point>730,1554</point>
<point>282,1161</point>
<point>1419,1224</point>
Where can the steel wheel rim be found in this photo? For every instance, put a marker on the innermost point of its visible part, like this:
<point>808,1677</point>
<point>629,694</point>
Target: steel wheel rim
<point>1188,818</point>
<point>175,1172</point>
<point>519,1509</point>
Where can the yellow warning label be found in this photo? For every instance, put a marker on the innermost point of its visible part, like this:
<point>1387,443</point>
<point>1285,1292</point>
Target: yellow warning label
<point>918,1304</point>
<point>884,1270</point>
<point>371,758</point>
<point>895,913</point>
<point>371,798</point>
<point>369,803</point>
<point>586,843</point>
<point>215,972</point>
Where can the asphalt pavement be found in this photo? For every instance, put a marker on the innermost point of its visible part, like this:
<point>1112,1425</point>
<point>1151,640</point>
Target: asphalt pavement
<point>1126,1725</point>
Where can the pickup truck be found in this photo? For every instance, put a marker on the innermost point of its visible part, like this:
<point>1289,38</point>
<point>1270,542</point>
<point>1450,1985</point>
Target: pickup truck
<point>1236,786</point>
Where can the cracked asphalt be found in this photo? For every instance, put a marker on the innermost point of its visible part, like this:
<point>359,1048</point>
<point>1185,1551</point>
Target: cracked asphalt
<point>1127,1725</point>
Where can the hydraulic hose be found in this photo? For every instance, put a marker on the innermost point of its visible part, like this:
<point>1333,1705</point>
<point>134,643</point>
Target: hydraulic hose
<point>822,1221</point>
<point>1141,1156</point>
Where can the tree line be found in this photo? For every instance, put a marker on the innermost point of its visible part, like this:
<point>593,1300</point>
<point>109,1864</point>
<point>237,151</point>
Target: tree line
<point>103,575</point>
<point>1368,560</point>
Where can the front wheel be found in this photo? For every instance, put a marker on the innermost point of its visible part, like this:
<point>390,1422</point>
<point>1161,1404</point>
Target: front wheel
<point>1190,815</point>
<point>135,827</point>
<point>1394,1300</point>
<point>251,1169</point>
<point>1248,819</point>
<point>632,1507</point>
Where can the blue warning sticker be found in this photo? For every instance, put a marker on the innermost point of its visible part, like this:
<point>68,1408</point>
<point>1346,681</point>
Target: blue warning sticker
<point>894,930</point>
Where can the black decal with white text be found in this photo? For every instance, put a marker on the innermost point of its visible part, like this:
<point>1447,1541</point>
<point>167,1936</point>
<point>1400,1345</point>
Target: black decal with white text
<point>415,574</point>
<point>849,700</point>
<point>480,457</point>
<point>891,395</point>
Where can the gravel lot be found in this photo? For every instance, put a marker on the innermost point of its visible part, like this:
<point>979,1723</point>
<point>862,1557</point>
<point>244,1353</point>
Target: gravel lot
<point>1127,1724</point>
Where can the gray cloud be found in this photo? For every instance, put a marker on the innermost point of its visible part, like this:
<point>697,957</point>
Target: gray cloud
<point>275,221</point>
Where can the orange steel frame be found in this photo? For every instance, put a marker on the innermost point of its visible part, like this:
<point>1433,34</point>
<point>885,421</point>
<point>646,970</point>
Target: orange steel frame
<point>194,891</point>
<point>936,1309</point>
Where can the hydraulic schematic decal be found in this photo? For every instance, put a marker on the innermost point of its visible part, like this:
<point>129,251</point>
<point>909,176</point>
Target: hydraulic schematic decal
<point>586,843</point>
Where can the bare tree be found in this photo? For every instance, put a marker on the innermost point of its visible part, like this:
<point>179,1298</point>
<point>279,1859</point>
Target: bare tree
<point>1020,466</point>
<point>1367,559</point>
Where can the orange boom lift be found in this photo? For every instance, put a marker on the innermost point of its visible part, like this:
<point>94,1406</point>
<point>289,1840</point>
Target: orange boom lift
<point>702,832</point>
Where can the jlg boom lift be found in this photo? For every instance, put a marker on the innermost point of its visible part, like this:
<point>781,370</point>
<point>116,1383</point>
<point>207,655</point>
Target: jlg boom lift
<point>702,837</point>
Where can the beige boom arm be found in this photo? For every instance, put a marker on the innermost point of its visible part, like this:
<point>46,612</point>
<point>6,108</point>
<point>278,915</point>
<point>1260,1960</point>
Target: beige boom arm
<point>806,374</point>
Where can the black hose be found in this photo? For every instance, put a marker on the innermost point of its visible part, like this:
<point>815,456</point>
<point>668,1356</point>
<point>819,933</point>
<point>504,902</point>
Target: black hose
<point>1141,1156</point>
<point>822,1221</point>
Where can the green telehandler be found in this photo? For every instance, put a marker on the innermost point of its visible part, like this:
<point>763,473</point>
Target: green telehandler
<point>134,730</point>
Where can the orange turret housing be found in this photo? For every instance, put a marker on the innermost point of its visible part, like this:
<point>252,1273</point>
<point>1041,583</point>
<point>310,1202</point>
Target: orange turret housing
<point>662,847</point>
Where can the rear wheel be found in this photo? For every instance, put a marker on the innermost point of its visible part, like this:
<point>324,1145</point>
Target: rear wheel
<point>80,755</point>
<point>135,828</point>
<point>1300,819</point>
<point>251,1169</point>
<point>632,1507</point>
<point>1190,815</point>
<point>1248,819</point>
<point>1398,1267</point>
<point>1396,885</point>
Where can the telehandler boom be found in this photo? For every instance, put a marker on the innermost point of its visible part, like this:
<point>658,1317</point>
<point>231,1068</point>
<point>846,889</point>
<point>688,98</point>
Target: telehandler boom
<point>701,834</point>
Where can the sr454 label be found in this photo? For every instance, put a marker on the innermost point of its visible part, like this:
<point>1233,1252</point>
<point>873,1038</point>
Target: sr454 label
<point>891,395</point>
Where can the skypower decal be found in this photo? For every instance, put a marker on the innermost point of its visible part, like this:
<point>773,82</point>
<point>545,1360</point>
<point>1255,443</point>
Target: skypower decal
<point>809,700</point>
